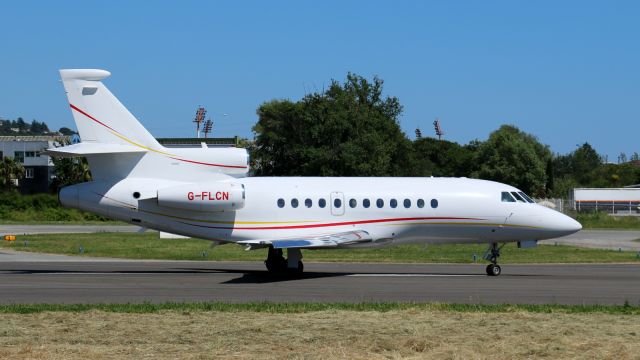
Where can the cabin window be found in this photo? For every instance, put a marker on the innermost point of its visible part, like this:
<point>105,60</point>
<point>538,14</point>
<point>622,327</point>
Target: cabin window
<point>506,197</point>
<point>518,197</point>
<point>280,203</point>
<point>434,203</point>
<point>353,203</point>
<point>379,203</point>
<point>322,203</point>
<point>366,203</point>
<point>407,203</point>
<point>420,203</point>
<point>308,203</point>
<point>294,203</point>
<point>337,203</point>
<point>393,203</point>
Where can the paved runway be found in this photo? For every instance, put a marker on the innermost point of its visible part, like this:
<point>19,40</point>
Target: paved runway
<point>626,240</point>
<point>65,229</point>
<point>102,281</point>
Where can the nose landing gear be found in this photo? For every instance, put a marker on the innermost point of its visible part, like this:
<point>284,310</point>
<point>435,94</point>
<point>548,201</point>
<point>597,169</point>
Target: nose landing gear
<point>492,254</point>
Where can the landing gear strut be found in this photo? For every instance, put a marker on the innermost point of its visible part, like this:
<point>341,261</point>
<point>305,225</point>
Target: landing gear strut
<point>277,264</point>
<point>492,254</point>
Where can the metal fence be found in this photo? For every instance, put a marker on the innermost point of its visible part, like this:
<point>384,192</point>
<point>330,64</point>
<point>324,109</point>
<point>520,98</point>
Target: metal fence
<point>619,208</point>
<point>616,208</point>
<point>556,204</point>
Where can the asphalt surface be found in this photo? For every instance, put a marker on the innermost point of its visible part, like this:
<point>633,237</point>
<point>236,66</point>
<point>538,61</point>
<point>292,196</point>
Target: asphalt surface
<point>603,239</point>
<point>626,240</point>
<point>37,278</point>
<point>65,229</point>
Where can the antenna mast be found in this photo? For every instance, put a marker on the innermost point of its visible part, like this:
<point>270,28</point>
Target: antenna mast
<point>439,132</point>
<point>200,113</point>
<point>208,126</point>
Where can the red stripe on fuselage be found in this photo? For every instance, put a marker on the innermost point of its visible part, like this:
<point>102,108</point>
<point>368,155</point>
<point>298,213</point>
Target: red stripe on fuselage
<point>343,223</point>
<point>210,164</point>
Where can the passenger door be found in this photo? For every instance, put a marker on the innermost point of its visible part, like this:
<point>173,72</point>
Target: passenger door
<point>337,203</point>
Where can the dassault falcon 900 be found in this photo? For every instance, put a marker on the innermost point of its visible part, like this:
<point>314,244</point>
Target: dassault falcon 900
<point>206,193</point>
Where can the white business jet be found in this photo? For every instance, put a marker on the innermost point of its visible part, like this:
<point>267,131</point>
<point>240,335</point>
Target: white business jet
<point>204,193</point>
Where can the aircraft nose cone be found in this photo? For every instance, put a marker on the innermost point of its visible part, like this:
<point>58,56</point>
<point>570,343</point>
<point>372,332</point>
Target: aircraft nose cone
<point>556,224</point>
<point>572,226</point>
<point>564,225</point>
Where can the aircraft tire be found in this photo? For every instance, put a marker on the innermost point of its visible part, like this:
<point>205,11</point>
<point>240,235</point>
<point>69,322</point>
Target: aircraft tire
<point>493,270</point>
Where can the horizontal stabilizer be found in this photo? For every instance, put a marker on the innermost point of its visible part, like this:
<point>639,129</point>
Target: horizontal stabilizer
<point>324,241</point>
<point>84,148</point>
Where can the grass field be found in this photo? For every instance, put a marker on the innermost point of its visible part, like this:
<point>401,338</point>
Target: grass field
<point>600,220</point>
<point>149,246</point>
<point>320,331</point>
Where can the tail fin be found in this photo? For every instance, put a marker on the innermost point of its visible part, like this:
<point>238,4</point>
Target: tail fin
<point>118,146</point>
<point>99,116</point>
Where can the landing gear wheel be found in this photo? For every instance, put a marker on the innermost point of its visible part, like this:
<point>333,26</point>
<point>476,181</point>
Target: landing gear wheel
<point>493,270</point>
<point>275,262</point>
<point>492,254</point>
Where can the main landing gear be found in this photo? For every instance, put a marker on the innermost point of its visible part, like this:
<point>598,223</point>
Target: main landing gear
<point>277,264</point>
<point>492,254</point>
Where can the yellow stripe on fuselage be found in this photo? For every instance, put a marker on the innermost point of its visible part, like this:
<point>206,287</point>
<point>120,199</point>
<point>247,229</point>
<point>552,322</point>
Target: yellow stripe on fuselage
<point>464,223</point>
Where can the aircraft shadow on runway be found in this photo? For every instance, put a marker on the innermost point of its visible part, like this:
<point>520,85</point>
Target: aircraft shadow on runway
<point>247,276</point>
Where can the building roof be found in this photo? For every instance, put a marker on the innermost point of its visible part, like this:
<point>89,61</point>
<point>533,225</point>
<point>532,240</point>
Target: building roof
<point>35,138</point>
<point>197,141</point>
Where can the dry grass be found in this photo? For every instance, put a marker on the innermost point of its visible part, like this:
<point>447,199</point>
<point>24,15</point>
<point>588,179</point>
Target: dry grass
<point>343,334</point>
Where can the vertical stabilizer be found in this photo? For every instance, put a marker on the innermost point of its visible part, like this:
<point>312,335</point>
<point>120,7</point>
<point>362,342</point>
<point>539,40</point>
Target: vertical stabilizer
<point>99,116</point>
<point>117,146</point>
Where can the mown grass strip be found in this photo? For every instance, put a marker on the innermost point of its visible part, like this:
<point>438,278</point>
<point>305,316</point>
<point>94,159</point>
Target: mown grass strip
<point>270,307</point>
<point>149,246</point>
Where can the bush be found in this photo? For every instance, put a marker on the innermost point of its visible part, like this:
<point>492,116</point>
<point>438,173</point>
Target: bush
<point>15,207</point>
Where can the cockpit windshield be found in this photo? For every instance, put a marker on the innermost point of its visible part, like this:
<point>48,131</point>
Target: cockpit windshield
<point>529,200</point>
<point>506,197</point>
<point>516,196</point>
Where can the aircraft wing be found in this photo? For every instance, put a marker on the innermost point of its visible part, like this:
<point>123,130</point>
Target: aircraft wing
<point>317,242</point>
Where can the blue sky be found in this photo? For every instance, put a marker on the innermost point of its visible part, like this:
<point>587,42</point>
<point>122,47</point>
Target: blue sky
<point>565,71</point>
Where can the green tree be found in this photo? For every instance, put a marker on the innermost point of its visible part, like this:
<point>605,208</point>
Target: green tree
<point>69,171</point>
<point>66,131</point>
<point>10,171</point>
<point>348,130</point>
<point>516,158</point>
<point>442,158</point>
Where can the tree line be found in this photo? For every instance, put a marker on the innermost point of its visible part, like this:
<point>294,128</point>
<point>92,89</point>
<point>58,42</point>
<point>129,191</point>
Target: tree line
<point>352,129</point>
<point>20,127</point>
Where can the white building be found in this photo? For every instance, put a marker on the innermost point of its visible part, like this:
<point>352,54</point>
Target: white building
<point>621,201</point>
<point>38,168</point>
